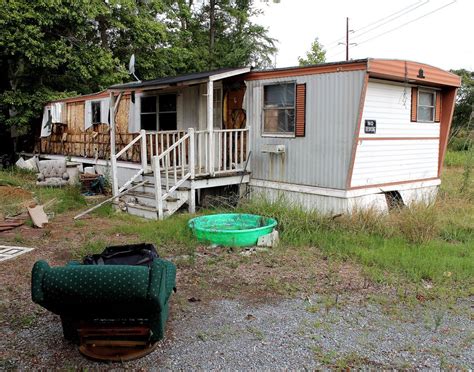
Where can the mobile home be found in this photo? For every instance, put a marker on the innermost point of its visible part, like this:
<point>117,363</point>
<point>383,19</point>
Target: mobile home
<point>333,137</point>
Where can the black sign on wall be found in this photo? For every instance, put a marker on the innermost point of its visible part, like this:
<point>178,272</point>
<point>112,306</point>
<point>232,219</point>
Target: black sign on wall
<point>370,126</point>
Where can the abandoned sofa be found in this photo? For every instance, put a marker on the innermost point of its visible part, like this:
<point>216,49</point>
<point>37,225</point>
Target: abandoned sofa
<point>52,173</point>
<point>100,293</point>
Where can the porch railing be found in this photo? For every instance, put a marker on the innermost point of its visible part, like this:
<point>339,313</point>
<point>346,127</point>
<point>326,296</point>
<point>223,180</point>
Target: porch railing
<point>176,156</point>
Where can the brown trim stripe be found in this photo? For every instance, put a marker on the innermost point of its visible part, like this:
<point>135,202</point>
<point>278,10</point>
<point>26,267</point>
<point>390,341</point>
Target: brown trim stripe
<point>393,183</point>
<point>395,138</point>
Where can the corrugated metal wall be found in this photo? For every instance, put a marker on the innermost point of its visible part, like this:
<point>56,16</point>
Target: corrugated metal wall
<point>322,157</point>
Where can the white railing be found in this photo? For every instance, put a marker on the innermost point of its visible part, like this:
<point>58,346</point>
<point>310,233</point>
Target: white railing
<point>115,158</point>
<point>176,156</point>
<point>232,150</point>
<point>175,172</point>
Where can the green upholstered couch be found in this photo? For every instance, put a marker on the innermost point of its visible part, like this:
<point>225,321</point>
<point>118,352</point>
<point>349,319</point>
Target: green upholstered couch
<point>79,292</point>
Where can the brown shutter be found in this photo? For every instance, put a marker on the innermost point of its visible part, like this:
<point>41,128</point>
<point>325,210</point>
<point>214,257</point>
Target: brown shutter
<point>414,103</point>
<point>300,110</point>
<point>438,107</point>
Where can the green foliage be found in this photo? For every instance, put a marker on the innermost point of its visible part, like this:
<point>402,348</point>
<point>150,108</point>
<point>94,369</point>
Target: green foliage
<point>51,49</point>
<point>316,55</point>
<point>464,101</point>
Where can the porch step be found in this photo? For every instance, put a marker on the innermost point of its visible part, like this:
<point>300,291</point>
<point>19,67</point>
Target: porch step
<point>144,204</point>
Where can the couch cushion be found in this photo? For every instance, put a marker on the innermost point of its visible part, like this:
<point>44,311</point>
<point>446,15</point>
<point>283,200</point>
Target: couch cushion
<point>52,168</point>
<point>96,285</point>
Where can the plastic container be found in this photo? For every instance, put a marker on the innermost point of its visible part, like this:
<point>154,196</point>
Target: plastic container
<point>231,229</point>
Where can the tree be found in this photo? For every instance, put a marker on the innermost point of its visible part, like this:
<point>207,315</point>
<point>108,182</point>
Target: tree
<point>464,99</point>
<point>51,49</point>
<point>316,55</point>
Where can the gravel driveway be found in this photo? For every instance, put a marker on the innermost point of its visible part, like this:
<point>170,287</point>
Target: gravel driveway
<point>284,334</point>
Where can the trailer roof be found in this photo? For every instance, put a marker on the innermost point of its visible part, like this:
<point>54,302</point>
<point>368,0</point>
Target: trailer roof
<point>186,79</point>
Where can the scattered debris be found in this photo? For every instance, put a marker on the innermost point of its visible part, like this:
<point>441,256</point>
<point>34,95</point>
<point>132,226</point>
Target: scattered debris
<point>38,216</point>
<point>30,164</point>
<point>194,299</point>
<point>109,200</point>
<point>252,250</point>
<point>11,223</point>
<point>269,240</point>
<point>8,252</point>
<point>250,317</point>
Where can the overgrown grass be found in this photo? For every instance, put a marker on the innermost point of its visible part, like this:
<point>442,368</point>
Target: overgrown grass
<point>458,158</point>
<point>420,243</point>
<point>21,188</point>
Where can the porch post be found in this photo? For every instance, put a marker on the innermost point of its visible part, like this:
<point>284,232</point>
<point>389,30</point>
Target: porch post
<point>210,124</point>
<point>113,160</point>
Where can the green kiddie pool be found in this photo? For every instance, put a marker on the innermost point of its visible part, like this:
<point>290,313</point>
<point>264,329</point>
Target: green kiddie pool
<point>231,229</point>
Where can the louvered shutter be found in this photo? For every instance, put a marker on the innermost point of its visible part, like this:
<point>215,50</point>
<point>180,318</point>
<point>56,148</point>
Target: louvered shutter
<point>414,103</point>
<point>300,110</point>
<point>438,107</point>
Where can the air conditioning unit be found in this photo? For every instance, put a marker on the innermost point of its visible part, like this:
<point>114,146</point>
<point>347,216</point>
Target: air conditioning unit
<point>274,149</point>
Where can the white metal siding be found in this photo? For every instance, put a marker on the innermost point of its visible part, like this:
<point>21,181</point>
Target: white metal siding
<point>379,162</point>
<point>389,105</point>
<point>322,157</point>
<point>397,160</point>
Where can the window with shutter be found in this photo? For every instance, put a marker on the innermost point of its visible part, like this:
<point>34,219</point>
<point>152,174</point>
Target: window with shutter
<point>279,109</point>
<point>300,127</point>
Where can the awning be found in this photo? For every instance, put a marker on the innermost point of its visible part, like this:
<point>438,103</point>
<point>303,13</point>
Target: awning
<point>181,80</point>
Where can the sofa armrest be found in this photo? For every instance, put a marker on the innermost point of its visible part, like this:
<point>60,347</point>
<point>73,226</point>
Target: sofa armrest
<point>40,177</point>
<point>65,176</point>
<point>37,274</point>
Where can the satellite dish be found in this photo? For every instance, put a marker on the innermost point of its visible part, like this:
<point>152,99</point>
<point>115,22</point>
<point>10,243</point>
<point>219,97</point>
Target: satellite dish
<point>131,67</point>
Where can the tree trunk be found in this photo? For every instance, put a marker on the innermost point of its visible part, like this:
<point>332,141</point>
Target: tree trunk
<point>212,31</point>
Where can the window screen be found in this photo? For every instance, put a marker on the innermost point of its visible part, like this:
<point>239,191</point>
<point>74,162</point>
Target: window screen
<point>279,109</point>
<point>426,106</point>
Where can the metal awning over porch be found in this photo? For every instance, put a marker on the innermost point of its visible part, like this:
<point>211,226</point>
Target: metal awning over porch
<point>181,80</point>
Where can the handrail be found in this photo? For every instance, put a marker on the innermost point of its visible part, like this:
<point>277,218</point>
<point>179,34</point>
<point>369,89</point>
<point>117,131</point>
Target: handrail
<point>121,152</point>
<point>173,146</point>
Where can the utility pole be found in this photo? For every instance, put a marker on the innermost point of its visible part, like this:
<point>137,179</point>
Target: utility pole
<point>347,38</point>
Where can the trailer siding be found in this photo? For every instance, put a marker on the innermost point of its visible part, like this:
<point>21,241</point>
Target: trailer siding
<point>322,157</point>
<point>400,150</point>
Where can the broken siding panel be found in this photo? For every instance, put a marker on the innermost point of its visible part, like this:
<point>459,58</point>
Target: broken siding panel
<point>390,105</point>
<point>322,157</point>
<point>380,162</point>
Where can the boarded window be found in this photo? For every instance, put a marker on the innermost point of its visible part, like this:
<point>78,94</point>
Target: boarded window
<point>300,110</point>
<point>279,109</point>
<point>95,108</point>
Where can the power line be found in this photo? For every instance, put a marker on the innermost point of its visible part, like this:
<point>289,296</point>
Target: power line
<point>406,23</point>
<point>390,20</point>
<point>380,20</point>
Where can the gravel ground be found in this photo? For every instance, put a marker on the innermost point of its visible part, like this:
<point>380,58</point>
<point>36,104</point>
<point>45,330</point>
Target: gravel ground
<point>277,335</point>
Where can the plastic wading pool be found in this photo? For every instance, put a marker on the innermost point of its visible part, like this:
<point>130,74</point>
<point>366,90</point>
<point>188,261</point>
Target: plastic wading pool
<point>231,229</point>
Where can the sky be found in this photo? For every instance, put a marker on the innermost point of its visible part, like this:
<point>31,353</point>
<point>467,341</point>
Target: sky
<point>435,32</point>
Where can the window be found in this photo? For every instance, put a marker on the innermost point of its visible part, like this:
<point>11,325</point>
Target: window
<point>279,109</point>
<point>148,113</point>
<point>95,109</point>
<point>426,106</point>
<point>158,112</point>
<point>167,112</point>
<point>217,107</point>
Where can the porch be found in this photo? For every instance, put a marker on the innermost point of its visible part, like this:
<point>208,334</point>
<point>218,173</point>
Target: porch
<point>173,164</point>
